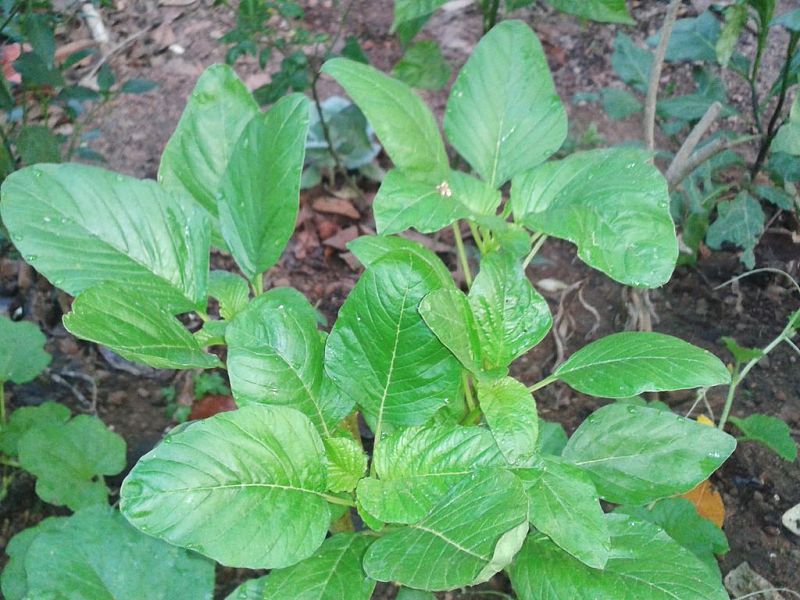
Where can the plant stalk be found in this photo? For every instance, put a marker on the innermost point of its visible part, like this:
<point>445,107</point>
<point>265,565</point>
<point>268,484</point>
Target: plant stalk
<point>490,14</point>
<point>536,247</point>
<point>546,381</point>
<point>649,122</point>
<point>2,405</point>
<point>462,254</point>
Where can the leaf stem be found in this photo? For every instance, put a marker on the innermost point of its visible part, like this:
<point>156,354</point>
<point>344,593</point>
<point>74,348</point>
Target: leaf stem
<point>476,235</point>
<point>536,247</point>
<point>258,284</point>
<point>546,381</point>
<point>337,500</point>
<point>468,391</point>
<point>2,405</point>
<point>462,255</point>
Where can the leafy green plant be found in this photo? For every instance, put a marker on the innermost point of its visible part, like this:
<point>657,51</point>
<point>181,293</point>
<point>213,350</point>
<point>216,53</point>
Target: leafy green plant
<point>458,485</point>
<point>716,195</point>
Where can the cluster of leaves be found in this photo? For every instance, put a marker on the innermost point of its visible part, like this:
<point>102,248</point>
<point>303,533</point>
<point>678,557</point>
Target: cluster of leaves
<point>719,201</point>
<point>464,479</point>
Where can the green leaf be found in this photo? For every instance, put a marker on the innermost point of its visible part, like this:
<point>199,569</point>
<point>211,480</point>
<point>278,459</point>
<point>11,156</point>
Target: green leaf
<point>775,196</point>
<point>380,351</point>
<point>769,431</point>
<point>511,315</point>
<point>347,463</point>
<point>504,115</point>
<point>679,519</point>
<point>789,20</point>
<point>613,204</point>
<point>626,364</point>
<point>371,248</point>
<point>564,506</point>
<point>740,222</point>
<point>69,459</point>
<point>135,327</point>
<point>138,86</point>
<point>644,562</point>
<point>735,20</point>
<point>510,412</point>
<point>37,30</point>
<point>788,139</point>
<point>35,72</point>
<point>417,466</point>
<point>81,558</point>
<point>471,533</point>
<point>631,62</point>
<point>259,190</point>
<point>28,418</point>
<point>636,454</point>
<point>740,353</point>
<point>38,144</point>
<point>198,151</point>
<point>105,77</point>
<point>692,39</point>
<point>448,314</point>
<point>230,290</point>
<point>253,479</point>
<point>352,49</point>
<point>15,577</point>
<point>423,67</point>
<point>333,573</point>
<point>252,589</point>
<point>552,438</point>
<point>275,357</point>
<point>403,123</point>
<point>411,10</point>
<point>604,11</point>
<point>80,226</point>
<point>22,353</point>
<point>619,104</point>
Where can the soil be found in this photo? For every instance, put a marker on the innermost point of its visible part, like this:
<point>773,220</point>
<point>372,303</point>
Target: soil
<point>757,487</point>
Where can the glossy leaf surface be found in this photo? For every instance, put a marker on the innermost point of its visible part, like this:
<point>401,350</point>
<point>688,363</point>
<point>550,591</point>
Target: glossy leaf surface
<point>347,463</point>
<point>448,314</point>
<point>510,411</point>
<point>769,431</point>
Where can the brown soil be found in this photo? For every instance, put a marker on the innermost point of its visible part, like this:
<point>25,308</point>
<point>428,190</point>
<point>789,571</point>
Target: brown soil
<point>757,487</point>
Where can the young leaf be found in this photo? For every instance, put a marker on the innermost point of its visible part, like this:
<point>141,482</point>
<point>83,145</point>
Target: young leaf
<point>769,431</point>
<point>114,228</point>
<point>371,248</point>
<point>511,315</point>
<point>22,353</point>
<point>254,479</point>
<point>775,196</point>
<point>631,63</point>
<point>69,460</point>
<point>411,10</point>
<point>604,11</point>
<point>333,573</point>
<point>81,558</point>
<point>622,365</point>
<point>612,203</point>
<point>380,352</point>
<point>461,535</point>
<point>423,66</point>
<point>417,466</point>
<point>404,124</point>
<point>138,86</point>
<point>504,115</point>
<point>230,290</point>
<point>510,412</point>
<point>636,455</point>
<point>448,314</point>
<point>789,20</point>
<point>198,152</point>
<point>644,563</point>
<point>347,463</point>
<point>258,191</point>
<point>740,353</point>
<point>565,507</point>
<point>136,328</point>
<point>739,221</point>
<point>28,418</point>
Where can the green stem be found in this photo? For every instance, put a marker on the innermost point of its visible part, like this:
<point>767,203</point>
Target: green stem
<point>462,255</point>
<point>490,14</point>
<point>542,383</point>
<point>203,315</point>
<point>258,284</point>
<point>339,501</point>
<point>468,392</point>
<point>476,235</point>
<point>2,405</point>
<point>536,247</point>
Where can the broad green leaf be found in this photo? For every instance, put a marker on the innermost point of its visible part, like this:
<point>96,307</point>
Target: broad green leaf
<point>769,431</point>
<point>252,589</point>
<point>135,327</point>
<point>740,222</point>
<point>230,290</point>
<point>404,124</point>
<point>612,203</point>
<point>735,20</point>
<point>243,487</point>
<point>80,226</point>
<point>564,506</point>
<point>347,463</point>
<point>14,577</point>
<point>259,190</point>
<point>510,412</point>
<point>625,364</point>
<point>448,314</point>
<point>352,49</point>
<point>692,39</point>
<point>417,466</point>
<point>410,10</point>
<point>511,315</point>
<point>690,107</point>
<point>27,418</point>
<point>371,248</point>
<point>636,454</point>
<point>381,353</point>
<point>275,357</point>
<point>22,353</point>
<point>407,30</point>
<point>38,144</point>
<point>604,11</point>
<point>468,530</point>
<point>198,152</point>
<point>212,333</point>
<point>504,115</point>
<point>775,196</point>
<point>619,104</point>
<point>631,62</point>
<point>552,438</point>
<point>85,555</point>
<point>679,519</point>
<point>423,66</point>
<point>644,562</point>
<point>334,572</point>
<point>69,459</point>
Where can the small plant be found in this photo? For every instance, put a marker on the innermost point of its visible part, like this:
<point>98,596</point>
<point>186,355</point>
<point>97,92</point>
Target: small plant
<point>463,479</point>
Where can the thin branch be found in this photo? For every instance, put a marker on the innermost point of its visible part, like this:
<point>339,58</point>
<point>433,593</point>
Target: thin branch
<point>655,75</point>
<point>761,270</point>
<point>690,143</point>
<point>705,153</point>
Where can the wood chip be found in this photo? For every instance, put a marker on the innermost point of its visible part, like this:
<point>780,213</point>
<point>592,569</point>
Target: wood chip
<point>341,239</point>
<point>336,206</point>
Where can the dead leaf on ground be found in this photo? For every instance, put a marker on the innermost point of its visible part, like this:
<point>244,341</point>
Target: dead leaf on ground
<point>708,502</point>
<point>210,406</point>
<point>336,206</point>
<point>341,239</point>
